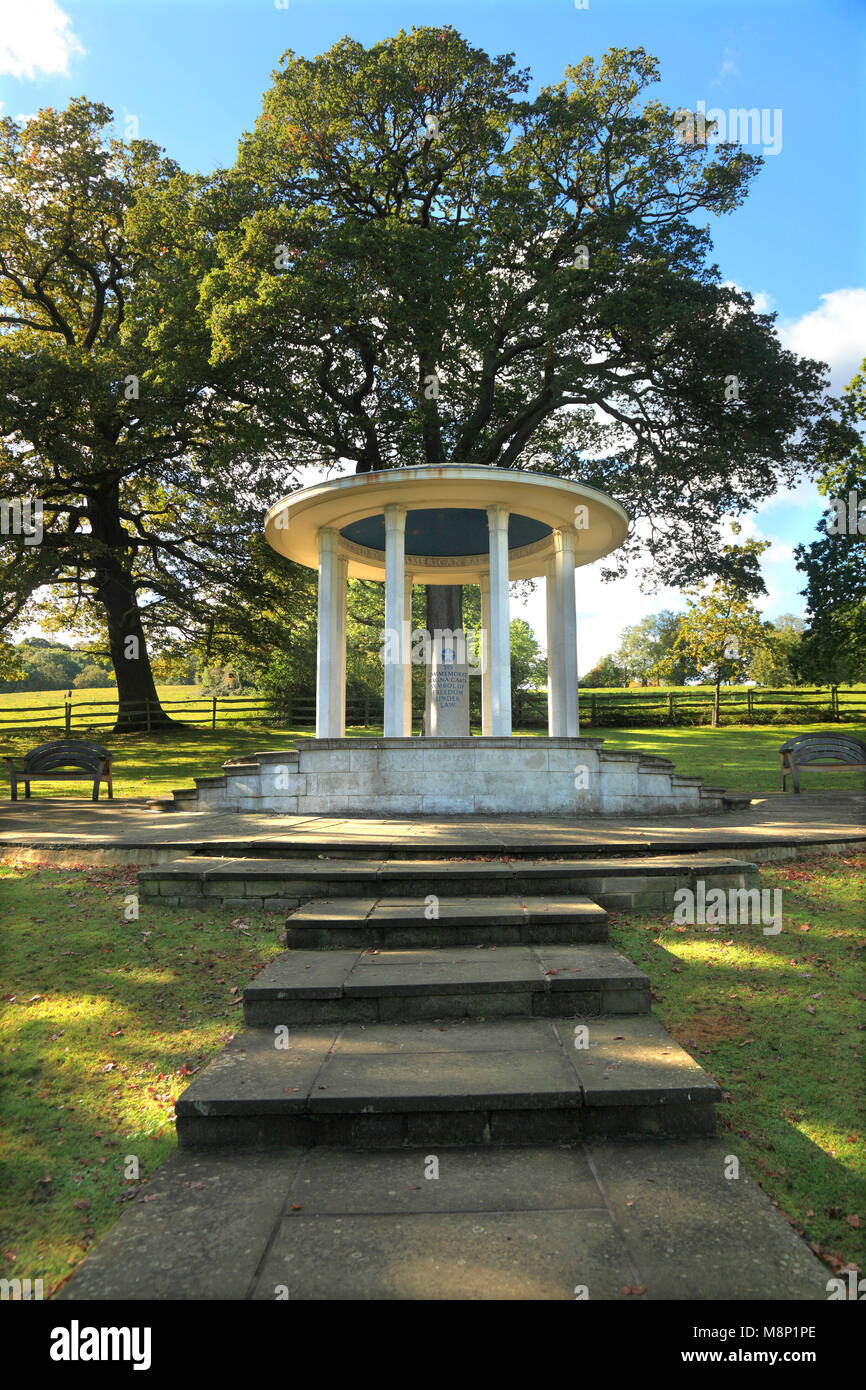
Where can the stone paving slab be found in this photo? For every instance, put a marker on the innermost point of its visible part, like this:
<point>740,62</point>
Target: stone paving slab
<point>460,1035</point>
<point>334,1182</point>
<point>496,1223</point>
<point>635,1061</point>
<point>695,1233</point>
<point>128,831</point>
<point>334,974</point>
<point>442,1082</point>
<point>252,1075</point>
<point>321,974</point>
<point>443,1256</point>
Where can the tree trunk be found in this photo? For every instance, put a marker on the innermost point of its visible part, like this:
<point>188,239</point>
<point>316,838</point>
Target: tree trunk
<point>138,703</point>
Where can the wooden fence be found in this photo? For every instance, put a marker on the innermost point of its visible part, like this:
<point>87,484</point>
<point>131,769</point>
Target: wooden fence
<point>598,708</point>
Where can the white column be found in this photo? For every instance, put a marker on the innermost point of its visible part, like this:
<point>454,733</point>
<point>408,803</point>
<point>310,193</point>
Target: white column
<point>564,564</point>
<point>486,689</point>
<point>340,684</point>
<point>395,599</point>
<point>407,657</point>
<point>327,667</point>
<point>500,639</point>
<point>554,652</point>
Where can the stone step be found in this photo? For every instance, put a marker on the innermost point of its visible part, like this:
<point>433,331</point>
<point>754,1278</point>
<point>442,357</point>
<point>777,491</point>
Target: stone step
<point>470,982</point>
<point>514,1081</point>
<point>280,884</point>
<point>330,923</point>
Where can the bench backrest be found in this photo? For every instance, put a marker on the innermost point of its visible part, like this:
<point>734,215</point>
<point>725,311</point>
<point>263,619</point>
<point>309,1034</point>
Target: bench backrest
<point>66,753</point>
<point>811,748</point>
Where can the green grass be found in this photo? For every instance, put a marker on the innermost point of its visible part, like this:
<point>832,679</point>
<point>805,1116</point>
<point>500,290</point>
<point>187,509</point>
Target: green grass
<point>105,1020</point>
<point>740,759</point>
<point>778,1021</point>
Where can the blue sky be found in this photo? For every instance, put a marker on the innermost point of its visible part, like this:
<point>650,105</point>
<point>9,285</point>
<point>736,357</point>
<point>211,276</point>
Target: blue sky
<point>192,72</point>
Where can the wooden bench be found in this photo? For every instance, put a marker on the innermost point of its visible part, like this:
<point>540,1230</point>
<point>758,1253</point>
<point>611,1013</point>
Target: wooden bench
<point>832,752</point>
<point>41,764</point>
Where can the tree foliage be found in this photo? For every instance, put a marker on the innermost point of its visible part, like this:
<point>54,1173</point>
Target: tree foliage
<point>111,414</point>
<point>721,630</point>
<point>421,265</point>
<point>833,648</point>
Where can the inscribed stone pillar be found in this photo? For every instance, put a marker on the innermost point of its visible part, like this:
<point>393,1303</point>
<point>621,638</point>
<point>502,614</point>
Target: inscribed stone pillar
<point>395,599</point>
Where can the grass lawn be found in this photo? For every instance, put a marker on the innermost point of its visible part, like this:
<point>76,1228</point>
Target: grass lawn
<point>779,1022</point>
<point>741,759</point>
<point>105,1020</point>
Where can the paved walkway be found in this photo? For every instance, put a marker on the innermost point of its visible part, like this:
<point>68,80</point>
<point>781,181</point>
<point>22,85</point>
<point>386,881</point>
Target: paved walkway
<point>131,831</point>
<point>622,1221</point>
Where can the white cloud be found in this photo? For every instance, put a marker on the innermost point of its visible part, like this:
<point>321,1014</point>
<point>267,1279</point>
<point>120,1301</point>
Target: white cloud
<point>36,39</point>
<point>834,333</point>
<point>727,68</point>
<point>763,302</point>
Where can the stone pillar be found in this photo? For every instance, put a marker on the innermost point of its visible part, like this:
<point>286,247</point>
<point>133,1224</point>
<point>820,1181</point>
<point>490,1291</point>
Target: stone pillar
<point>395,599</point>
<point>554,651</point>
<point>486,690</point>
<point>342,586</point>
<point>500,641</point>
<point>327,665</point>
<point>567,613</point>
<point>407,657</point>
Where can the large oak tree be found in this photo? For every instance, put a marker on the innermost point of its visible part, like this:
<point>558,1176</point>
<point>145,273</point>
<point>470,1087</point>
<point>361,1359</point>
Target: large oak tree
<point>422,265</point>
<point>112,416</point>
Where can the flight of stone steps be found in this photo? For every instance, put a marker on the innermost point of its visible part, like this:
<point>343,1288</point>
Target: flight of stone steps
<point>445,1002</point>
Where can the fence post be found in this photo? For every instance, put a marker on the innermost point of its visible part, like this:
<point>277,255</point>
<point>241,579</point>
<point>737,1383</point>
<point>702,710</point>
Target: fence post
<point>68,718</point>
<point>592,711</point>
<point>834,700</point>
<point>751,708</point>
<point>213,712</point>
<point>670,706</point>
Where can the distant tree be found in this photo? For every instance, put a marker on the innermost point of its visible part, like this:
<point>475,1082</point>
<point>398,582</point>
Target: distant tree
<point>671,664</point>
<point>528,662</point>
<point>43,665</point>
<point>93,678</point>
<point>772,661</point>
<point>721,630</point>
<point>605,674</point>
<point>833,648</point>
<point>226,680</point>
<point>638,650</point>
